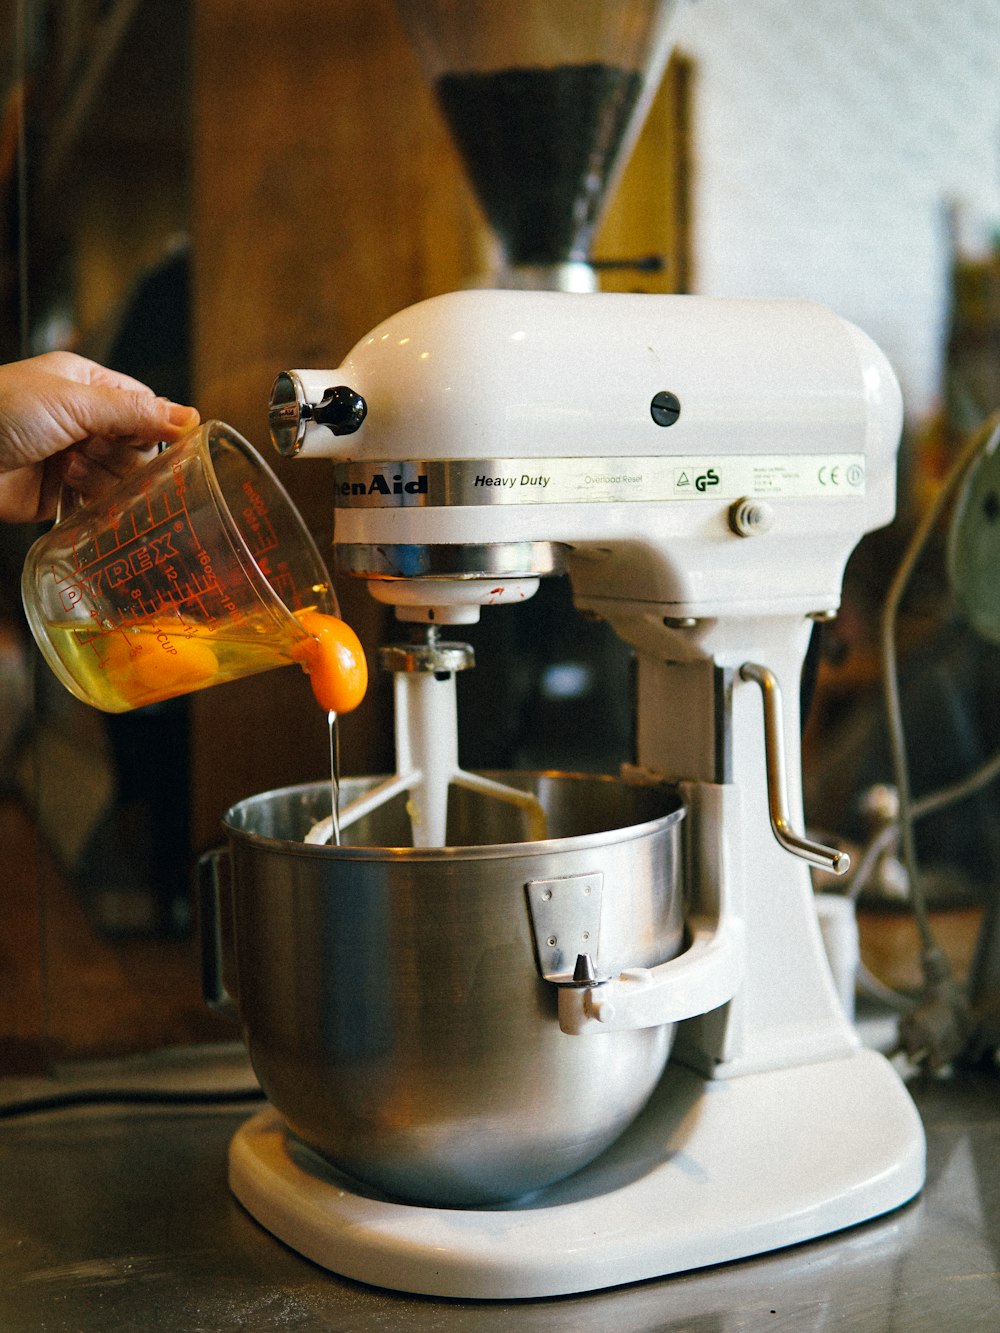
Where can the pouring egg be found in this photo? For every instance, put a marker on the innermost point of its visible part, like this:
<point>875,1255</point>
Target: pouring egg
<point>334,661</point>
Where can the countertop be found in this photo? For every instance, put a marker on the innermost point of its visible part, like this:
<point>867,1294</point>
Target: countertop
<point>118,1218</point>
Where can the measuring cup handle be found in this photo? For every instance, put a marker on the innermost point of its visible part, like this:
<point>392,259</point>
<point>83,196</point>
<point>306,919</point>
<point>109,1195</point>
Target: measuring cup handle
<point>66,501</point>
<point>213,987</point>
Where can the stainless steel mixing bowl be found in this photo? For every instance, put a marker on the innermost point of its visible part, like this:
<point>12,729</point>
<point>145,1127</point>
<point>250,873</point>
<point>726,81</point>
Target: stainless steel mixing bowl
<point>391,1000</point>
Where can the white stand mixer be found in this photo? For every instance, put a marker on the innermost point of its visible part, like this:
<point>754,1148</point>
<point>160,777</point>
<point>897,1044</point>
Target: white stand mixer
<point>703,469</point>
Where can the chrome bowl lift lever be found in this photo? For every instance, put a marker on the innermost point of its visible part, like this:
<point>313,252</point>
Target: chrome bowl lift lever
<point>827,858</point>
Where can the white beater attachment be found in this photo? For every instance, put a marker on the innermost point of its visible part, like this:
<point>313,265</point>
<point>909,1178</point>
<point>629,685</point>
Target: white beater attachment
<point>426,732</point>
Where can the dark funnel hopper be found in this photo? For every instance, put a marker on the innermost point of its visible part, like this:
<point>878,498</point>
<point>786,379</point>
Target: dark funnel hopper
<point>544,99</point>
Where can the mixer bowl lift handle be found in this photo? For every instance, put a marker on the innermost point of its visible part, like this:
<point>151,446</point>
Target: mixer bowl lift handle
<point>826,858</point>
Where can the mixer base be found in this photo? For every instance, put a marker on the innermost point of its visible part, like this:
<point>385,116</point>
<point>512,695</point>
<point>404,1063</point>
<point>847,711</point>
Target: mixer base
<point>710,1172</point>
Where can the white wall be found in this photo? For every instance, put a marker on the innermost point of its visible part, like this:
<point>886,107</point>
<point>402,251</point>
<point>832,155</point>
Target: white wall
<point>831,138</point>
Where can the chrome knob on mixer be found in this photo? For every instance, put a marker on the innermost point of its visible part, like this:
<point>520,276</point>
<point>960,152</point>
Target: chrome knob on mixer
<point>299,403</point>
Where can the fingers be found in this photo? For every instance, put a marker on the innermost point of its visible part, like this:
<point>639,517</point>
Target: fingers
<point>93,469</point>
<point>44,409</point>
<point>101,410</point>
<point>128,394</point>
<point>117,456</point>
<point>59,401</point>
<point>88,479</point>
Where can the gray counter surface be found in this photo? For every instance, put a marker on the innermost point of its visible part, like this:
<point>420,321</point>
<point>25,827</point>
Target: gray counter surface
<point>119,1219</point>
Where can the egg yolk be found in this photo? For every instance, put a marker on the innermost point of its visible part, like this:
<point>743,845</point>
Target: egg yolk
<point>334,660</point>
<point>174,663</point>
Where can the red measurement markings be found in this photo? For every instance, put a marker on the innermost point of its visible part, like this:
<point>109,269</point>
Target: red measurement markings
<point>187,589</point>
<point>134,526</point>
<point>257,528</point>
<point>283,584</point>
<point>155,528</point>
<point>91,636</point>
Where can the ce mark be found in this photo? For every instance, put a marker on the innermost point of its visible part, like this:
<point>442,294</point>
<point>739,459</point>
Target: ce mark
<point>853,475</point>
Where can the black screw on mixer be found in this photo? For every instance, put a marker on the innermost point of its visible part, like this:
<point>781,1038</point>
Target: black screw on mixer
<point>665,408</point>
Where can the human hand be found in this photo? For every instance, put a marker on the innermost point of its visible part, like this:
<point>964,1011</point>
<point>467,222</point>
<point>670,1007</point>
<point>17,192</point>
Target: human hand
<point>67,420</point>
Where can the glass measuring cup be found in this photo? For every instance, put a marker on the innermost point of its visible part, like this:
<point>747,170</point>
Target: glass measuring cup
<point>189,573</point>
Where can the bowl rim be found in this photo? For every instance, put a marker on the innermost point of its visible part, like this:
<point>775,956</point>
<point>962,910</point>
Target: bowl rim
<point>489,851</point>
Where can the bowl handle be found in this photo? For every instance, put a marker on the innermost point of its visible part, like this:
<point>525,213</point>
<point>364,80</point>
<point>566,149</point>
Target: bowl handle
<point>213,987</point>
<point>708,973</point>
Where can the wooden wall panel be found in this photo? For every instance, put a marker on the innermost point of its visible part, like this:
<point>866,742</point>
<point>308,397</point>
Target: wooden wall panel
<point>649,211</point>
<point>326,191</point>
<point>326,195</point>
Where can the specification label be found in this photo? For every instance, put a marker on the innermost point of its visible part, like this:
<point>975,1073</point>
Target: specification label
<point>598,480</point>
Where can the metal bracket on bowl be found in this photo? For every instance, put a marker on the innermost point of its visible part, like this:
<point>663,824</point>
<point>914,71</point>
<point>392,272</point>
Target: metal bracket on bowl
<point>566,922</point>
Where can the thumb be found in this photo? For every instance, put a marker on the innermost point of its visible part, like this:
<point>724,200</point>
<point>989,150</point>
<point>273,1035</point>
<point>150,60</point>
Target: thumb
<point>97,409</point>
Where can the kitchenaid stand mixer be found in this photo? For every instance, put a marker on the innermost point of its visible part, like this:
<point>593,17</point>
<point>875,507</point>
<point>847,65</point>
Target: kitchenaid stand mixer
<point>702,469</point>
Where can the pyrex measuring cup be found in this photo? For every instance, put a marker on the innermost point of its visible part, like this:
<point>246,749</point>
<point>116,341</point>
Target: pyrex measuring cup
<point>188,574</point>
